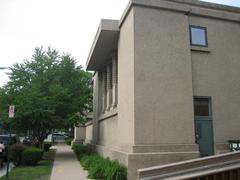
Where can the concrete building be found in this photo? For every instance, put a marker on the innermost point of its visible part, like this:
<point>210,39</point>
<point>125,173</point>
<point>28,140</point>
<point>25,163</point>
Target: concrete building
<point>166,82</point>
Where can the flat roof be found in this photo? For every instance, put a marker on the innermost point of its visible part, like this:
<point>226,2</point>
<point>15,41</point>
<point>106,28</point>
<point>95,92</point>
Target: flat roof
<point>104,44</point>
<point>208,5</point>
<point>106,39</point>
<point>194,7</point>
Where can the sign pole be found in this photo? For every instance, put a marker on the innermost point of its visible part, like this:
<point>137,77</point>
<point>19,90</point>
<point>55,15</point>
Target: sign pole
<point>10,115</point>
<point>8,152</point>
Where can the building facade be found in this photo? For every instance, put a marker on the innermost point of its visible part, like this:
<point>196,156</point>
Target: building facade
<point>166,82</point>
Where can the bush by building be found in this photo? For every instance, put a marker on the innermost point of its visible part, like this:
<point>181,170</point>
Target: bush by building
<point>16,153</point>
<point>68,141</point>
<point>31,156</point>
<point>99,167</point>
<point>46,146</point>
<point>81,149</point>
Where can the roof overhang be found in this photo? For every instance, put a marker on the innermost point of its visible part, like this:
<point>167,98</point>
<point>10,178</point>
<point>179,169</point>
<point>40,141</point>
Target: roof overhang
<point>104,45</point>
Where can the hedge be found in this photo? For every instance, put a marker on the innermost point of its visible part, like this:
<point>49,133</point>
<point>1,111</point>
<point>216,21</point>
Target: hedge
<point>31,156</point>
<point>46,146</point>
<point>99,167</point>
<point>16,153</point>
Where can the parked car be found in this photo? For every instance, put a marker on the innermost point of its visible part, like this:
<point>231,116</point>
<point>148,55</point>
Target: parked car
<point>6,140</point>
<point>28,140</point>
<point>58,137</point>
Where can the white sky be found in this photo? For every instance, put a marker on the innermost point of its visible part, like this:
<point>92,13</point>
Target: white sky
<point>66,25</point>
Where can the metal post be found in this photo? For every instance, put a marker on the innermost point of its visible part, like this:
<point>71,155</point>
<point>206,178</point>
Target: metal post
<point>8,152</point>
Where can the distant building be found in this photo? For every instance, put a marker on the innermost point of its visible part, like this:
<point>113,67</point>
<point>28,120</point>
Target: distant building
<point>166,82</point>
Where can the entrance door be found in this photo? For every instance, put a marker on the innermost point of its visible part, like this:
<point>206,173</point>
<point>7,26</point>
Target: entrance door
<point>203,125</point>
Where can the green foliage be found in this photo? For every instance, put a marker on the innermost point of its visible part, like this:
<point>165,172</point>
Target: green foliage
<point>97,166</point>
<point>101,168</point>
<point>49,91</point>
<point>87,161</point>
<point>4,102</point>
<point>41,171</point>
<point>68,141</point>
<point>81,149</point>
<point>46,146</point>
<point>116,171</point>
<point>16,153</point>
<point>31,156</point>
<point>97,170</point>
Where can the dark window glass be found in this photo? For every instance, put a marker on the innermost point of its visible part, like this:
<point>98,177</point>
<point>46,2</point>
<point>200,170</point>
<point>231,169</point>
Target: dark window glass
<point>201,107</point>
<point>198,36</point>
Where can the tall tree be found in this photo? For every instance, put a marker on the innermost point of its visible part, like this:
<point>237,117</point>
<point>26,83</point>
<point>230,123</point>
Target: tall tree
<point>49,92</point>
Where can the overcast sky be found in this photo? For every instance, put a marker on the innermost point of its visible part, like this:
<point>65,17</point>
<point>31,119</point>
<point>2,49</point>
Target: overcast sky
<point>66,25</point>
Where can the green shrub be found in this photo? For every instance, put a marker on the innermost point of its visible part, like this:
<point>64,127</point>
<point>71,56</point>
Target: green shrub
<point>97,166</point>
<point>16,153</point>
<point>81,149</point>
<point>46,146</point>
<point>97,170</point>
<point>31,156</point>
<point>68,141</point>
<point>87,161</point>
<point>115,171</point>
<point>101,168</point>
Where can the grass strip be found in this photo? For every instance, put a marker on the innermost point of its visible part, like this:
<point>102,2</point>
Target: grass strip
<point>42,171</point>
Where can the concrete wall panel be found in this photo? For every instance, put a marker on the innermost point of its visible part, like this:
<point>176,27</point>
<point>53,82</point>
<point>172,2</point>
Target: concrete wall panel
<point>216,74</point>
<point>89,133</point>
<point>107,132</point>
<point>163,78</point>
<point>126,82</point>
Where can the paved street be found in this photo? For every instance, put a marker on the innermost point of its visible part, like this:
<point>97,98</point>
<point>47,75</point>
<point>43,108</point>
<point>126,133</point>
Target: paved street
<point>66,165</point>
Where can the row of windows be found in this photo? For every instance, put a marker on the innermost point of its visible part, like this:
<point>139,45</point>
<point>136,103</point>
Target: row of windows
<point>198,36</point>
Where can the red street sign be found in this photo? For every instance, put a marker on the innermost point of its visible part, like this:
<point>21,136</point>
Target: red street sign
<point>11,111</point>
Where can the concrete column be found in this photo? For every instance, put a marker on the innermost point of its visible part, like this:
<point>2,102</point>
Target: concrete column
<point>104,91</point>
<point>100,93</point>
<point>96,108</point>
<point>114,81</point>
<point>109,87</point>
<point>79,134</point>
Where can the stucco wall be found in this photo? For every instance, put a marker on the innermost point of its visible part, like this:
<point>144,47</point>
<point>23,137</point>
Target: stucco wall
<point>107,132</point>
<point>79,134</point>
<point>163,78</point>
<point>89,133</point>
<point>158,75</point>
<point>217,74</point>
<point>125,126</point>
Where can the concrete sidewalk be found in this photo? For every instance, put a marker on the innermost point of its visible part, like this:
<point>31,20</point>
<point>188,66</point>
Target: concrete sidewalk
<point>3,170</point>
<point>66,165</point>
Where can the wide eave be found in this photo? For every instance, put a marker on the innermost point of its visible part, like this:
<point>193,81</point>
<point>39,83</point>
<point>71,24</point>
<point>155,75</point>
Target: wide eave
<point>104,45</point>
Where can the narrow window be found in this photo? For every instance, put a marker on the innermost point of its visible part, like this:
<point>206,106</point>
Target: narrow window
<point>198,36</point>
<point>202,106</point>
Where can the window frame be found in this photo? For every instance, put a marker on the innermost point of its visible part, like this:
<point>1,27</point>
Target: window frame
<point>209,99</point>
<point>206,35</point>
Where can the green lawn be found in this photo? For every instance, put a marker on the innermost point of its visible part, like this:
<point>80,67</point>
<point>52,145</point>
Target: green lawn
<point>40,172</point>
